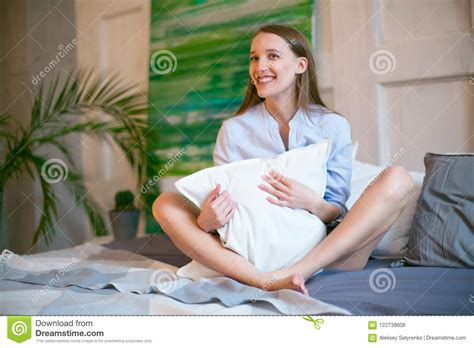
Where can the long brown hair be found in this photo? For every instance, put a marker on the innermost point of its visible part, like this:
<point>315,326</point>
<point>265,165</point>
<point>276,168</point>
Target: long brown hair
<point>306,83</point>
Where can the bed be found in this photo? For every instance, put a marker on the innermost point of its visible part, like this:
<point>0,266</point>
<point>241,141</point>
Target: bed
<point>415,290</point>
<point>115,279</point>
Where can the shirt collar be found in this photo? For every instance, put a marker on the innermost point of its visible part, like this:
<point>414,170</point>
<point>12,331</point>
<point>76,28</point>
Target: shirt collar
<point>299,117</point>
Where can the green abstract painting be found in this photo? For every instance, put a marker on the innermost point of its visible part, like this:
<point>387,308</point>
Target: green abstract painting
<point>198,75</point>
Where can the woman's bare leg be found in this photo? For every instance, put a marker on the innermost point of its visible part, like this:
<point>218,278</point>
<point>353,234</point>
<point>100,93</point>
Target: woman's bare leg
<point>347,247</point>
<point>177,216</point>
<point>350,244</point>
<point>358,259</point>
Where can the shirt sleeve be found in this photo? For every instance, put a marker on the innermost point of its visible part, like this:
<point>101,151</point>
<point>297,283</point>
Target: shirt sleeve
<point>339,165</point>
<point>223,149</point>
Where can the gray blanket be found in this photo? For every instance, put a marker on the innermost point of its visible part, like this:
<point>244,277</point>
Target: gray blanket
<point>90,279</point>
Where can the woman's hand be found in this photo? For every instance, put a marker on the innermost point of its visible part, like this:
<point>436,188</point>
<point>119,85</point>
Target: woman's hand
<point>216,210</point>
<point>290,193</point>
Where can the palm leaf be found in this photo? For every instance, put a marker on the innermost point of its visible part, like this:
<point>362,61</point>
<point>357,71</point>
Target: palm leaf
<point>63,109</point>
<point>90,207</point>
<point>49,213</point>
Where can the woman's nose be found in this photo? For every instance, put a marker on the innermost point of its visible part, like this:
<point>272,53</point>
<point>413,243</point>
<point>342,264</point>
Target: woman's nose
<point>261,68</point>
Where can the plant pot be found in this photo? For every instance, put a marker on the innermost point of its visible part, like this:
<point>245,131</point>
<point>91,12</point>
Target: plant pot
<point>124,223</point>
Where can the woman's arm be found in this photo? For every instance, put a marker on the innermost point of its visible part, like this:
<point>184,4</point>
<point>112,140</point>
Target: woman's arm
<point>339,164</point>
<point>325,211</point>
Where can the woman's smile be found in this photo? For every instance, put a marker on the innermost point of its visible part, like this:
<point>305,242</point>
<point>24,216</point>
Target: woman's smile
<point>265,80</point>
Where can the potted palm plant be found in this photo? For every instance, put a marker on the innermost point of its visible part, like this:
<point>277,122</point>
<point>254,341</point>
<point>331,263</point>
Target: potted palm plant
<point>58,111</point>
<point>124,218</point>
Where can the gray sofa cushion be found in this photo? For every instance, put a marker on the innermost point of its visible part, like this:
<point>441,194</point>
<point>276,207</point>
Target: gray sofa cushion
<point>442,232</point>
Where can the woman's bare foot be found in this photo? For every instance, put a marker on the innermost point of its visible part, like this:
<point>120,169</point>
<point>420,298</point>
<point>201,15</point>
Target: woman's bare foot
<point>272,282</point>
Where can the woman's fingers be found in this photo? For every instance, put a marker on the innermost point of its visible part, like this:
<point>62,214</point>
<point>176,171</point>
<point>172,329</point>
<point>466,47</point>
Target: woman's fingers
<point>225,213</point>
<point>214,194</point>
<point>222,199</point>
<point>279,185</point>
<point>222,204</point>
<point>280,178</point>
<point>278,202</point>
<point>231,213</point>
<point>278,194</point>
<point>225,207</point>
<point>228,209</point>
<point>214,203</point>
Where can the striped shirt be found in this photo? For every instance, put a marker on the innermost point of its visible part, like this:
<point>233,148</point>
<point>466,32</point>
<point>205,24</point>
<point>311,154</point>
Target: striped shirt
<point>255,134</point>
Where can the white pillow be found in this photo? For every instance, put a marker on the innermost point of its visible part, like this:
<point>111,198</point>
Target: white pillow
<point>395,242</point>
<point>355,149</point>
<point>269,236</point>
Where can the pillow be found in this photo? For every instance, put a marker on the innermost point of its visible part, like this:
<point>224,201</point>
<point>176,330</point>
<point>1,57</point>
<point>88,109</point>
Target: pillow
<point>442,233</point>
<point>269,236</point>
<point>355,150</point>
<point>394,244</point>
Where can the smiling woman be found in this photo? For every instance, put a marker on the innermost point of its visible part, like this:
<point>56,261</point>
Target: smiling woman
<point>282,111</point>
<point>281,59</point>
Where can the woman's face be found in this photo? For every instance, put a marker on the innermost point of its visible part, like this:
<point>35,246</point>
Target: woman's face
<point>273,65</point>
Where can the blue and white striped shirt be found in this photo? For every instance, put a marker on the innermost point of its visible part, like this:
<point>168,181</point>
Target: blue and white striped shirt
<point>255,134</point>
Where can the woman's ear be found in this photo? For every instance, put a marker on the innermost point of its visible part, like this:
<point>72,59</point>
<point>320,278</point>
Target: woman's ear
<point>302,65</point>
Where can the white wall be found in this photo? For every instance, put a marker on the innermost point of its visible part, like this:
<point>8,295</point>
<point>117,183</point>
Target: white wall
<point>423,103</point>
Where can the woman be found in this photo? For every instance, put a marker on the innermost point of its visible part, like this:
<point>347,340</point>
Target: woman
<point>282,110</point>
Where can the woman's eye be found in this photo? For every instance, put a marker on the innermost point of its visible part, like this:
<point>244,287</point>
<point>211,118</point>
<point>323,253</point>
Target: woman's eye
<point>274,56</point>
<point>253,59</point>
